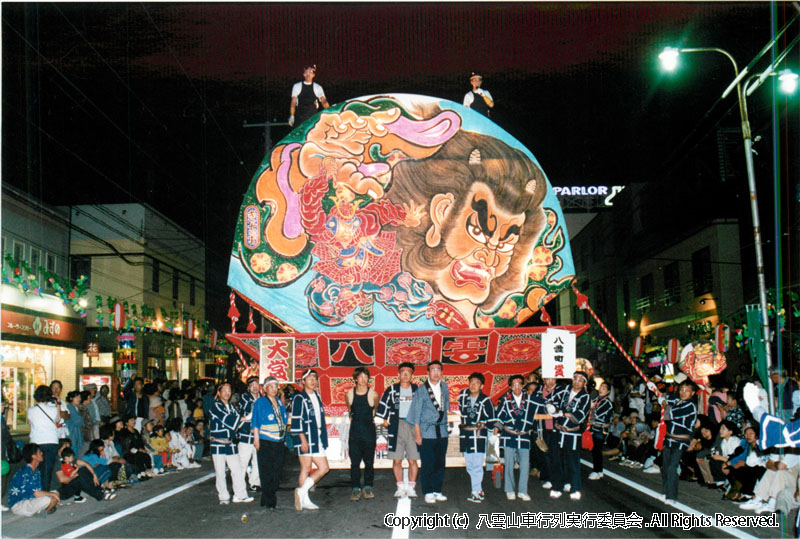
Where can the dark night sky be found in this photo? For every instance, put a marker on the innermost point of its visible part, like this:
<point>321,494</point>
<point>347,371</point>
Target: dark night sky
<point>145,102</point>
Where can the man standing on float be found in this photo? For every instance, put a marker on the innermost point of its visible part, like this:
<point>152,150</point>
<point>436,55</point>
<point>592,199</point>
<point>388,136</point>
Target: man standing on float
<point>307,96</point>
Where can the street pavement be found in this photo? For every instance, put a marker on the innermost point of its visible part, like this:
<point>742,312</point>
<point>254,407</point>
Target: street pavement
<point>185,504</point>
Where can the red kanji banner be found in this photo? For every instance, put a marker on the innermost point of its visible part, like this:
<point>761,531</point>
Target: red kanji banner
<point>497,353</point>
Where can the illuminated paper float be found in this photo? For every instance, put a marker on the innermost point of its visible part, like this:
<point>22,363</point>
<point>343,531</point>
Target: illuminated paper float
<point>385,221</point>
<point>399,212</point>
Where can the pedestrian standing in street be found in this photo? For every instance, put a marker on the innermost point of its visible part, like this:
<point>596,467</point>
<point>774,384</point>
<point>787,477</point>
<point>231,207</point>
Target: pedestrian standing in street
<point>599,423</point>
<point>515,414</point>
<point>44,418</point>
<point>307,96</point>
<point>310,437</point>
<point>393,410</point>
<point>546,430</point>
<point>225,421</point>
<point>477,413</point>
<point>679,415</point>
<point>477,98</point>
<point>247,450</point>
<point>361,402</point>
<point>269,428</point>
<point>571,411</point>
<point>103,405</point>
<point>428,416</point>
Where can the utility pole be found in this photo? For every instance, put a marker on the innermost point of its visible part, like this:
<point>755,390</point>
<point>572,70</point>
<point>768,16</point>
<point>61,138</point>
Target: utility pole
<point>267,131</point>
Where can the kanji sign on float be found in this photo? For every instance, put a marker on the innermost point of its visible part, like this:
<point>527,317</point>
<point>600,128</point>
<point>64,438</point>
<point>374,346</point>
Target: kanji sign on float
<point>558,354</point>
<point>277,359</point>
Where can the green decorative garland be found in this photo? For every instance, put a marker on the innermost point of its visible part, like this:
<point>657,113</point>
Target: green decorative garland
<point>20,274</point>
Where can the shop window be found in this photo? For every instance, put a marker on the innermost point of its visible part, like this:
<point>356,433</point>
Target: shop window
<point>50,266</point>
<point>176,282</point>
<point>19,250</point>
<point>156,276</point>
<point>672,284</point>
<point>80,265</point>
<point>36,261</point>
<point>702,280</point>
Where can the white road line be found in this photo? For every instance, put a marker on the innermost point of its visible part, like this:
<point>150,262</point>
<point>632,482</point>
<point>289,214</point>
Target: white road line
<point>116,516</point>
<point>403,510</point>
<point>736,532</point>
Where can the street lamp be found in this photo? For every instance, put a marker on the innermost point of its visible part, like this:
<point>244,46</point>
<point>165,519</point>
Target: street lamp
<point>669,59</point>
<point>788,81</point>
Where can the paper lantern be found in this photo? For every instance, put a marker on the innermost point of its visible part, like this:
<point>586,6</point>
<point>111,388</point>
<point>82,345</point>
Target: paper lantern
<point>722,337</point>
<point>638,346</point>
<point>673,350</point>
<point>118,321</point>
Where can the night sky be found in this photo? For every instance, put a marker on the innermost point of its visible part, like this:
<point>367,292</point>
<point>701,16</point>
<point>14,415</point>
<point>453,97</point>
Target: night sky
<point>107,103</point>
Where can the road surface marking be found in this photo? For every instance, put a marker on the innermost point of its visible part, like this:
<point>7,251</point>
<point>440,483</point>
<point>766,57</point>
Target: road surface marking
<point>736,532</point>
<point>116,516</point>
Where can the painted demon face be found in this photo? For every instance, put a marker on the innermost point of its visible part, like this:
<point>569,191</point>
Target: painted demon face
<point>480,238</point>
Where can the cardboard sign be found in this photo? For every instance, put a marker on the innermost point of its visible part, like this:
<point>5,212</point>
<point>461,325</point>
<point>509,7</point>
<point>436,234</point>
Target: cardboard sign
<point>558,354</point>
<point>276,359</point>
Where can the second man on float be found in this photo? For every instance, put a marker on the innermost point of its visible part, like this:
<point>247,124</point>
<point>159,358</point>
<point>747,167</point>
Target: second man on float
<point>307,96</point>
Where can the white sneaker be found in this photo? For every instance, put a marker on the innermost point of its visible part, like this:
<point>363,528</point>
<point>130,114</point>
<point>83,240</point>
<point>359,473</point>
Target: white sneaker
<point>555,494</point>
<point>411,493</point>
<point>430,498</point>
<point>4,508</point>
<point>652,469</point>
<point>575,495</point>
<point>524,497</point>
<point>242,500</point>
<point>768,507</point>
<point>595,475</point>
<point>567,487</point>
<point>547,485</point>
<point>194,465</point>
<point>440,497</point>
<point>752,504</point>
<point>308,504</point>
<point>400,492</point>
<point>511,496</point>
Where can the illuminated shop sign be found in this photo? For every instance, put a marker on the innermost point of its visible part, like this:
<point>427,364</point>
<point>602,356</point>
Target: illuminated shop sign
<point>606,191</point>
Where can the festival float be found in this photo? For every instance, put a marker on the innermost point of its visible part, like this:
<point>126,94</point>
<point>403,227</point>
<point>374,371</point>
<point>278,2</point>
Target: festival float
<point>397,228</point>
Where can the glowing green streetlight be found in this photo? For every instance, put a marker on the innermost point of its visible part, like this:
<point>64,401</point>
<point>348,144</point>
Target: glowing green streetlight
<point>669,58</point>
<point>788,81</point>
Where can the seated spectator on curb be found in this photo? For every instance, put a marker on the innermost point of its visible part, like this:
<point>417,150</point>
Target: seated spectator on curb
<point>155,456</point>
<point>735,413</point>
<point>724,447</point>
<point>133,450</point>
<point>76,476</point>
<point>159,439</point>
<point>781,474</point>
<point>25,494</point>
<point>200,436</point>
<point>699,448</point>
<point>120,469</point>
<point>95,457</point>
<point>177,442</point>
<point>614,436</point>
<point>745,468</point>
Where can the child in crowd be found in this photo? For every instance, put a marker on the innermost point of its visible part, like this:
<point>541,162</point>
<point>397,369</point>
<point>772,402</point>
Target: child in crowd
<point>182,450</point>
<point>76,476</point>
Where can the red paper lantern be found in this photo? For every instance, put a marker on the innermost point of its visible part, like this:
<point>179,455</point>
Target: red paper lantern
<point>189,329</point>
<point>673,350</point>
<point>638,345</point>
<point>722,337</point>
<point>119,316</point>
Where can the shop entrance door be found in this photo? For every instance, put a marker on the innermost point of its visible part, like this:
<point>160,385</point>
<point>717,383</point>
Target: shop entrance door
<point>18,392</point>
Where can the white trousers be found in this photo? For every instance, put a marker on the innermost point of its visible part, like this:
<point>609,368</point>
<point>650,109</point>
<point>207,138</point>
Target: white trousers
<point>247,456</point>
<point>239,488</point>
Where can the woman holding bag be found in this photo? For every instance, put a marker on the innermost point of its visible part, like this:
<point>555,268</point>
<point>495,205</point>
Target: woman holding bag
<point>44,418</point>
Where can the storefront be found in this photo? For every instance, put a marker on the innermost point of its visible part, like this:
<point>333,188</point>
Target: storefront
<point>42,340</point>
